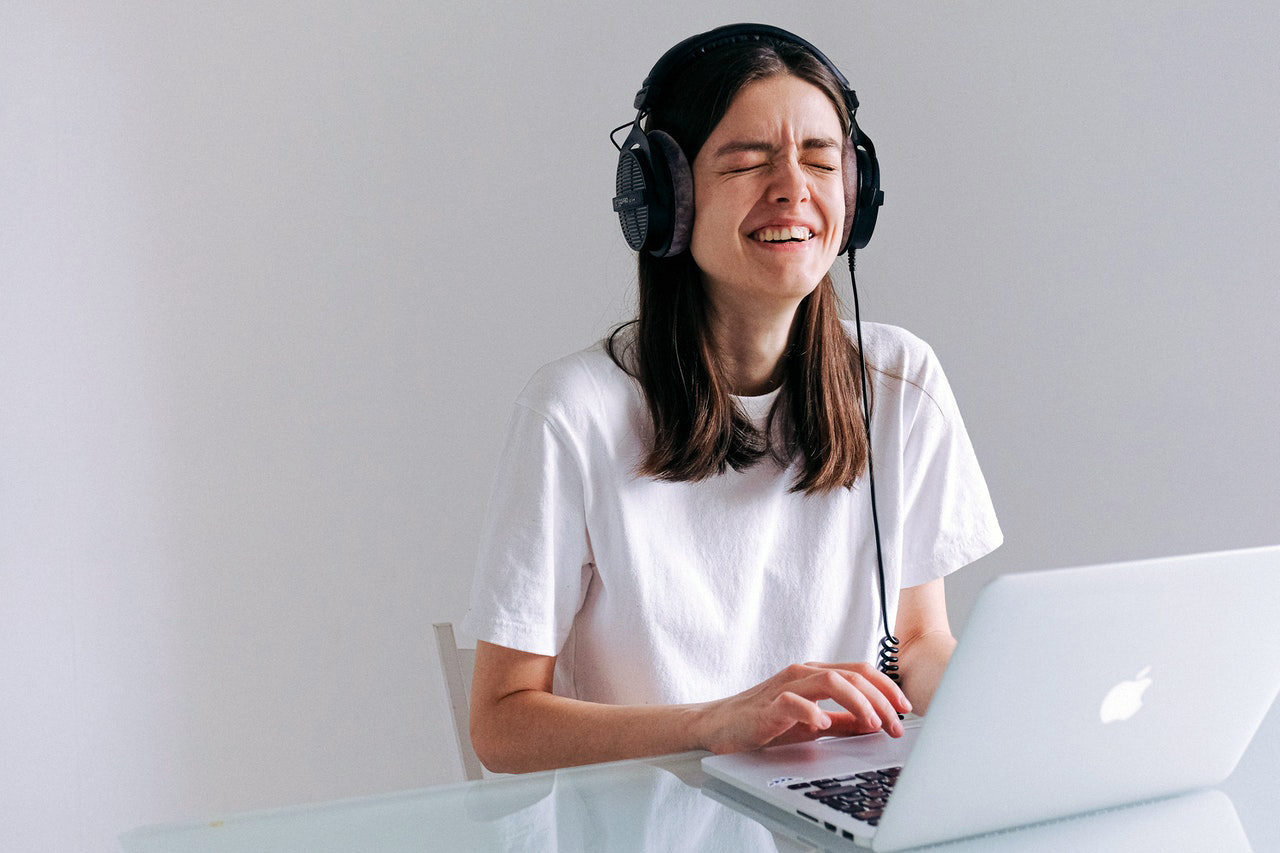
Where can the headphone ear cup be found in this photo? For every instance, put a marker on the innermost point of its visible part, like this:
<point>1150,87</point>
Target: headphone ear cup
<point>680,199</point>
<point>849,167</point>
<point>635,197</point>
<point>869,197</point>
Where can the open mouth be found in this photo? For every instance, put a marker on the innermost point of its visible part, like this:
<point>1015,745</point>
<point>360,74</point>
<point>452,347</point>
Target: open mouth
<point>785,234</point>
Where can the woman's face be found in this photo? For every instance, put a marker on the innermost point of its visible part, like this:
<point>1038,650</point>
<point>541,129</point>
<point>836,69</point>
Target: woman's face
<point>769,196</point>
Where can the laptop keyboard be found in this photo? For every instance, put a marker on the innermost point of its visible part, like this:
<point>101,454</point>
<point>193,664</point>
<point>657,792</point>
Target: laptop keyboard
<point>862,795</point>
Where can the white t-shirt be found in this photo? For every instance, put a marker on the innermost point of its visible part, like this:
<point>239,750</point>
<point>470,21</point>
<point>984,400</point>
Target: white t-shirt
<point>658,592</point>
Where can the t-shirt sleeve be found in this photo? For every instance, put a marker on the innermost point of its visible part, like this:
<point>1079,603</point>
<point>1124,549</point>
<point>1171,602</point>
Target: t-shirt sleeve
<point>535,560</point>
<point>946,505</point>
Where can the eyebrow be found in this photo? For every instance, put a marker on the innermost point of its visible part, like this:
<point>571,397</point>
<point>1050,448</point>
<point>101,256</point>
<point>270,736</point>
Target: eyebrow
<point>750,145</point>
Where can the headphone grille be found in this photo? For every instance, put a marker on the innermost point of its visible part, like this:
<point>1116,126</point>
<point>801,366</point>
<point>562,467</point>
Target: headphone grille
<point>634,221</point>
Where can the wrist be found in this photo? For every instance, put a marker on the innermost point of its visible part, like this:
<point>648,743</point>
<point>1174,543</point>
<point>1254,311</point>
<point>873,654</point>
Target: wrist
<point>698,725</point>
<point>709,728</point>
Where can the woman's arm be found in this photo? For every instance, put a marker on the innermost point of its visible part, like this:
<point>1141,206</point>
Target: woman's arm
<point>925,641</point>
<point>518,725</point>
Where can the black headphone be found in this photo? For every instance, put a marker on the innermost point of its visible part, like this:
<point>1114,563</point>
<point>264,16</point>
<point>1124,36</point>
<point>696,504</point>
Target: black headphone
<point>654,200</point>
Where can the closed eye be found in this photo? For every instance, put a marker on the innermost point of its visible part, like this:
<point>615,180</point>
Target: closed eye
<point>823,164</point>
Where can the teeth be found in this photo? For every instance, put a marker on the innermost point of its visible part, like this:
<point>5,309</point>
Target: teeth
<point>781,235</point>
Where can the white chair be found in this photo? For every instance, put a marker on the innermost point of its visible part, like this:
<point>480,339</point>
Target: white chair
<point>457,665</point>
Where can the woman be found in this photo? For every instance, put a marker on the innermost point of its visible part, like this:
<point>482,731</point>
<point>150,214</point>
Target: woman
<point>681,550</point>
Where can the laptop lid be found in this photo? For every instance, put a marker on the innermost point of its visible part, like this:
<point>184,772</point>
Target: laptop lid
<point>1078,689</point>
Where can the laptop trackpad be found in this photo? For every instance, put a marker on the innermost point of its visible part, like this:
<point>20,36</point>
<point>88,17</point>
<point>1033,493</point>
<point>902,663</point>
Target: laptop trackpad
<point>814,759</point>
<point>863,752</point>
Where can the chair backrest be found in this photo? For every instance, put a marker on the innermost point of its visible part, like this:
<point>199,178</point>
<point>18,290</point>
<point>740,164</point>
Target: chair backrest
<point>457,665</point>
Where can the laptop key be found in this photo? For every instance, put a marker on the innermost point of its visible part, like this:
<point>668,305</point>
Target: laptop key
<point>823,793</point>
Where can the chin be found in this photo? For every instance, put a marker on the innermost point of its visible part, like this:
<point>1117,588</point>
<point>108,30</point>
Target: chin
<point>804,285</point>
<point>793,292</point>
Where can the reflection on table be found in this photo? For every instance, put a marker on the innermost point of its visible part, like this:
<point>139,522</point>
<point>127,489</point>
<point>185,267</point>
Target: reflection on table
<point>661,804</point>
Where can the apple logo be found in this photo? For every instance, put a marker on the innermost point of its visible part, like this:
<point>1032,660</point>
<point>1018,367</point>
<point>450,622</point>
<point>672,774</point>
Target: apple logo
<point>1124,700</point>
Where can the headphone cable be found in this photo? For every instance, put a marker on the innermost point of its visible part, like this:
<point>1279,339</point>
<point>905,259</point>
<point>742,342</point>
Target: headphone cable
<point>888,658</point>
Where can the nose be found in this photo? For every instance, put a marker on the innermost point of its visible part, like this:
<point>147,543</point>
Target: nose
<point>790,184</point>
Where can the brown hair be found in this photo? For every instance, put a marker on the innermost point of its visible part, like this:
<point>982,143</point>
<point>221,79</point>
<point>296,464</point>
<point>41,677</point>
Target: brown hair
<point>698,431</point>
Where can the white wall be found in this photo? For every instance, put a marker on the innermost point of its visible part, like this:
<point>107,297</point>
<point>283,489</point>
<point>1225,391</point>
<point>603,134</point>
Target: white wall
<point>272,272</point>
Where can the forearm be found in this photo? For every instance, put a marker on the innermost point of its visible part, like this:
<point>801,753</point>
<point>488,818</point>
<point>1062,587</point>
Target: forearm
<point>922,660</point>
<point>518,724</point>
<point>535,730</point>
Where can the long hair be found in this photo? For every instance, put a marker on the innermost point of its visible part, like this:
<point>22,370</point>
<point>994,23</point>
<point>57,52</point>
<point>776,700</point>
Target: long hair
<point>698,431</point>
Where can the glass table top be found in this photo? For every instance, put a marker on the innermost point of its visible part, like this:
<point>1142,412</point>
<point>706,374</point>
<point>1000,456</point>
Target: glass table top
<point>660,804</point>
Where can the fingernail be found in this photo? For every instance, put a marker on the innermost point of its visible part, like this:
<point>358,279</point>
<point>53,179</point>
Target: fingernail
<point>824,721</point>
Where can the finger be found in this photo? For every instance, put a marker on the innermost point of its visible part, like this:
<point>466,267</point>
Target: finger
<point>886,685</point>
<point>837,686</point>
<point>791,708</point>
<point>887,711</point>
<point>857,694</point>
<point>810,721</point>
<point>844,724</point>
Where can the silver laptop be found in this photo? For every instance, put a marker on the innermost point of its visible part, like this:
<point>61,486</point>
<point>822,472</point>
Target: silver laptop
<point>1201,820</point>
<point>1071,691</point>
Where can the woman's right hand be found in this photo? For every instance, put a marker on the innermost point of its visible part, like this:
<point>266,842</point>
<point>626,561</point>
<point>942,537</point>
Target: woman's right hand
<point>784,708</point>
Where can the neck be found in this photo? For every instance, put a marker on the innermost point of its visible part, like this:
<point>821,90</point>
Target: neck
<point>752,348</point>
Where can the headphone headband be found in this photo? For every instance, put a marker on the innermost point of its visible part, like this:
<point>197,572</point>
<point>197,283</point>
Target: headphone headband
<point>696,46</point>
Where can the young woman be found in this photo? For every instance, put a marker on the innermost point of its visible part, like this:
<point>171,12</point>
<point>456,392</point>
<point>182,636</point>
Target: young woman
<point>681,550</point>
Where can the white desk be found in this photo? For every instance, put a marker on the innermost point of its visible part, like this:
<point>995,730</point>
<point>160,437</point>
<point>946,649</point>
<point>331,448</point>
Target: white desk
<point>665,804</point>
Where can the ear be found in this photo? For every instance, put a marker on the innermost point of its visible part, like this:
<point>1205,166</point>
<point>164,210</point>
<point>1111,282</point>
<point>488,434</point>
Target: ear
<point>681,191</point>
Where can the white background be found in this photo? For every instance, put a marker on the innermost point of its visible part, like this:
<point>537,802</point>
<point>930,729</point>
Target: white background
<point>272,272</point>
